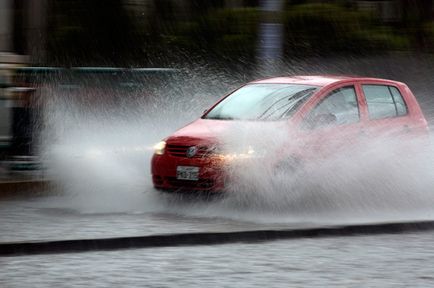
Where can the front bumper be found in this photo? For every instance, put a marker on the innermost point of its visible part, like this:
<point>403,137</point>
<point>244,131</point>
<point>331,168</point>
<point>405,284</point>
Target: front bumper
<point>212,177</point>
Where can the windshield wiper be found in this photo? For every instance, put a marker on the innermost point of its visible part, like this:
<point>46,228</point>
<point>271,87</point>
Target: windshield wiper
<point>221,118</point>
<point>296,98</point>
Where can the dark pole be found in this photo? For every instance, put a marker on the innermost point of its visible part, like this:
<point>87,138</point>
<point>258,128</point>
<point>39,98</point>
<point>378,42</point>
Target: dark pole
<point>270,46</point>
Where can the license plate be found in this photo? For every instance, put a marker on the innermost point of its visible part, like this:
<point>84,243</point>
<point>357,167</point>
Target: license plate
<point>187,173</point>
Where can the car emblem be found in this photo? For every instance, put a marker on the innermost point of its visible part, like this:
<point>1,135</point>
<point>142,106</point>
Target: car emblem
<point>191,151</point>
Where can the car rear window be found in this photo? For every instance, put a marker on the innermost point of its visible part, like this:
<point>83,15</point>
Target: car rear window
<point>384,101</point>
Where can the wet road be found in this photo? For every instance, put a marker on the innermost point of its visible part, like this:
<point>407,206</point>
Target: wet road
<point>65,217</point>
<point>44,220</point>
<point>380,261</point>
<point>61,217</point>
<point>371,261</point>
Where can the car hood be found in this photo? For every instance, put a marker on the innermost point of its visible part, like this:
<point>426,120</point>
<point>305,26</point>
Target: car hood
<point>220,131</point>
<point>202,130</point>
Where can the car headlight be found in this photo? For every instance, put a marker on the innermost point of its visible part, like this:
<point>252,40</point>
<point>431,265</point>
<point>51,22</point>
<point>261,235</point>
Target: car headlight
<point>159,148</point>
<point>247,152</point>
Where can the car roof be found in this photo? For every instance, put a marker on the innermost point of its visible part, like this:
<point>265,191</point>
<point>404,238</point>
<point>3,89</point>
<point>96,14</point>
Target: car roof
<point>317,80</point>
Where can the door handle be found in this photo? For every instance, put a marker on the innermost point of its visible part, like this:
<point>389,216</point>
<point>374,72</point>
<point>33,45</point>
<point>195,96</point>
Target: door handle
<point>362,132</point>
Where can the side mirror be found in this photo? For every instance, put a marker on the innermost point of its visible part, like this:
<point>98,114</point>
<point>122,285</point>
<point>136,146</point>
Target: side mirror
<point>322,120</point>
<point>204,111</point>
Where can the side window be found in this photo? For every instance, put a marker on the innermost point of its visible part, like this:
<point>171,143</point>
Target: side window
<point>384,101</point>
<point>338,108</point>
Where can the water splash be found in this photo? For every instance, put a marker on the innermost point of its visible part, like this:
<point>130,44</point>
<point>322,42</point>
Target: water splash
<point>99,155</point>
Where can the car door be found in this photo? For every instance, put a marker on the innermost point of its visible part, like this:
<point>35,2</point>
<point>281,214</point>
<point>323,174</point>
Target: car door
<point>333,123</point>
<point>388,114</point>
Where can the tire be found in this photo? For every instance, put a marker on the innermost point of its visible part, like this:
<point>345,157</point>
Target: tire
<point>288,165</point>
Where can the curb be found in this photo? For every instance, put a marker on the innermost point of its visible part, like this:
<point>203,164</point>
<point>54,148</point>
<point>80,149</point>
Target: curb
<point>211,238</point>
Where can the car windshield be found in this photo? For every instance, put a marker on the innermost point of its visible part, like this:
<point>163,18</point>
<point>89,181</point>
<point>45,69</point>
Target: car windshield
<point>262,102</point>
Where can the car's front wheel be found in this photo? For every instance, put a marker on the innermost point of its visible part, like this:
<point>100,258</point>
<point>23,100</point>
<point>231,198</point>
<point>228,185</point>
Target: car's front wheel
<point>289,165</point>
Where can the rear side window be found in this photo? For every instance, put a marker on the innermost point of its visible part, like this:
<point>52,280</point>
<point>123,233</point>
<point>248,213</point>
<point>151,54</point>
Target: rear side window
<point>384,101</point>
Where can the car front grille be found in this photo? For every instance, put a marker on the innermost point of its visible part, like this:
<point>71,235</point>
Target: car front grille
<point>181,151</point>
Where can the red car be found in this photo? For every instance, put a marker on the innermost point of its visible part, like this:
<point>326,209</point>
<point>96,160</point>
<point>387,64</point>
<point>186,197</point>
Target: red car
<point>323,113</point>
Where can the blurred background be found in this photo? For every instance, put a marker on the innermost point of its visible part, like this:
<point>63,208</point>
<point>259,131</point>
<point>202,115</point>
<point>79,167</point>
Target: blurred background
<point>157,33</point>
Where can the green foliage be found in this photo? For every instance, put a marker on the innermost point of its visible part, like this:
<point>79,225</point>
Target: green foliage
<point>326,28</point>
<point>310,29</point>
<point>219,32</point>
<point>86,32</point>
<point>82,31</point>
<point>428,31</point>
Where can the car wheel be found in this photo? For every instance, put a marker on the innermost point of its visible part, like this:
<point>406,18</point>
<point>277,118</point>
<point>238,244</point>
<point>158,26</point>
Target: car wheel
<point>288,165</point>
